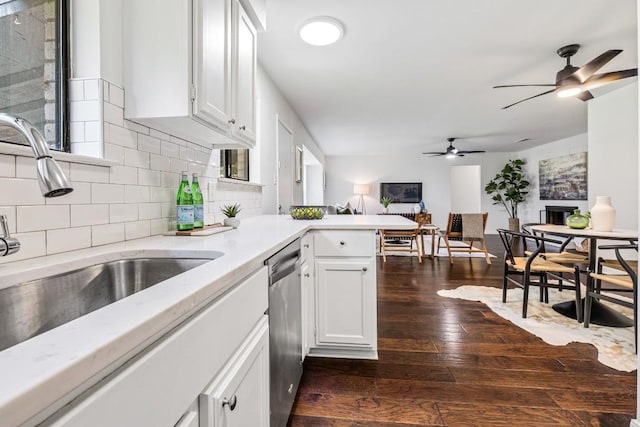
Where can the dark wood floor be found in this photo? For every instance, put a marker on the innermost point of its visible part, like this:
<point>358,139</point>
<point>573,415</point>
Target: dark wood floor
<point>449,362</point>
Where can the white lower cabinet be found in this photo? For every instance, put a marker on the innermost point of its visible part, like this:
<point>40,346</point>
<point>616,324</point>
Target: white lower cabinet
<point>239,397</point>
<point>342,306</point>
<point>226,342</point>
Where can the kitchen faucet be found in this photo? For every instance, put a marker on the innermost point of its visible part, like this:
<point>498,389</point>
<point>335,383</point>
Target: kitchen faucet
<point>52,180</point>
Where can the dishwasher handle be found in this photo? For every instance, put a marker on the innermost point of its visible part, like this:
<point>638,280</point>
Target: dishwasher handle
<point>283,266</point>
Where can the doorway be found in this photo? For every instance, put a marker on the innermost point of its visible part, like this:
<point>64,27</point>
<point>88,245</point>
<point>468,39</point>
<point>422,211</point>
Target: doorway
<point>284,172</point>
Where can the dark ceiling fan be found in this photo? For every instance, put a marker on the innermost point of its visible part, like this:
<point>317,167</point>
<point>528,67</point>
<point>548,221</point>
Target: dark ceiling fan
<point>452,151</point>
<point>574,81</point>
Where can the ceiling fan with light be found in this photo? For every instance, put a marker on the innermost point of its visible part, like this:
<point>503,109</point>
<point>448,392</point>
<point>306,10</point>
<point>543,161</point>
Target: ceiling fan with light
<point>574,81</point>
<point>452,151</point>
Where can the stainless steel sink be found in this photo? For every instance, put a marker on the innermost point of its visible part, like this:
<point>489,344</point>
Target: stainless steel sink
<point>31,308</point>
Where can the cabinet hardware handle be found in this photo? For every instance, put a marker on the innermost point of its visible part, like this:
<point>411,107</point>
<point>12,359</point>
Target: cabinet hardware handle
<point>231,402</point>
<point>243,127</point>
<point>364,268</point>
<point>306,246</point>
<point>341,242</point>
<point>306,275</point>
<point>232,121</point>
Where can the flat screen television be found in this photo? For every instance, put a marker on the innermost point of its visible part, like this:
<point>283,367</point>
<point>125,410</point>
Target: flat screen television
<point>401,192</point>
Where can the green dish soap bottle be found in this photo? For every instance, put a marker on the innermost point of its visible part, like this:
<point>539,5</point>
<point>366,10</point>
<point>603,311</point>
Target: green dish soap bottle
<point>184,201</point>
<point>198,203</point>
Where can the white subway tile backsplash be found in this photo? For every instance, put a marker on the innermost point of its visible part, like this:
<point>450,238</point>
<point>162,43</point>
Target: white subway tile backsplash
<point>134,199</point>
<point>136,158</point>
<point>123,175</point>
<point>148,144</point>
<point>76,132</point>
<point>88,173</point>
<point>47,217</point>
<point>149,211</point>
<point>114,152</point>
<point>93,131</point>
<point>76,90</point>
<point>85,111</point>
<point>137,229</point>
<point>68,239</point>
<point>7,166</point>
<point>116,95</point>
<point>17,191</point>
<point>137,194</point>
<point>121,136</point>
<point>160,163</point>
<point>32,245</point>
<point>81,194</point>
<point>113,114</point>
<point>107,193</point>
<point>108,233</point>
<point>26,168</point>
<point>148,177</point>
<point>10,213</point>
<point>169,149</point>
<point>123,212</point>
<point>89,215</point>
<point>91,89</point>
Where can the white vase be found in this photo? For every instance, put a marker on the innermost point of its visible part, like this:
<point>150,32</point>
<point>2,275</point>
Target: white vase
<point>603,215</point>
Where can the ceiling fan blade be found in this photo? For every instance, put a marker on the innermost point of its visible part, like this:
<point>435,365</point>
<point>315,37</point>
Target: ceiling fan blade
<point>471,151</point>
<point>587,70</point>
<point>602,79</point>
<point>526,99</point>
<point>435,153</point>
<point>542,85</point>
<point>585,96</point>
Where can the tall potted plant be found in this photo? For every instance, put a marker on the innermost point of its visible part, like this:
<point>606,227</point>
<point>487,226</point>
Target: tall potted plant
<point>509,189</point>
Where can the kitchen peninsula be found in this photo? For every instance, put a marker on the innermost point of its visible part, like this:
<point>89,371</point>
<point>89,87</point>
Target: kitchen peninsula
<point>87,359</point>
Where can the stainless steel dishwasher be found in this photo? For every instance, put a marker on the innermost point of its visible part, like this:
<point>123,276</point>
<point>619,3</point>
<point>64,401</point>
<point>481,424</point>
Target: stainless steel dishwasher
<point>285,331</point>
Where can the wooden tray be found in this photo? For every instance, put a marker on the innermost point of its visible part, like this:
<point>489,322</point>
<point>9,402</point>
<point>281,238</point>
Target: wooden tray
<point>207,230</point>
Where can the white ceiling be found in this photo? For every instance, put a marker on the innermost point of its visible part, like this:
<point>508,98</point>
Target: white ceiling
<point>410,73</point>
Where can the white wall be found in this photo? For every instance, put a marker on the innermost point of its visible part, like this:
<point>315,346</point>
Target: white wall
<point>314,184</point>
<point>613,152</point>
<point>272,104</point>
<point>530,210</point>
<point>434,173</point>
<point>466,189</point>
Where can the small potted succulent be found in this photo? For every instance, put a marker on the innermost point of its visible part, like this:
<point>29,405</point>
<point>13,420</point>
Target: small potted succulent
<point>385,202</point>
<point>230,211</point>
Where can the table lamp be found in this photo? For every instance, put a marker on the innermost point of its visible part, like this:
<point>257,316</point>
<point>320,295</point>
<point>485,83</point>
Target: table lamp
<point>360,190</point>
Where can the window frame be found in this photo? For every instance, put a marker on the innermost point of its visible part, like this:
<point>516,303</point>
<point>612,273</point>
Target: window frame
<point>226,164</point>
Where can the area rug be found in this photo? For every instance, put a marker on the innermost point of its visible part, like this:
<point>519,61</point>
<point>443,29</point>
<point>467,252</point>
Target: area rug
<point>442,253</point>
<point>615,345</point>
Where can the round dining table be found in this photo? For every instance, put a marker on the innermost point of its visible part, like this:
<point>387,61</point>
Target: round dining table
<point>600,313</point>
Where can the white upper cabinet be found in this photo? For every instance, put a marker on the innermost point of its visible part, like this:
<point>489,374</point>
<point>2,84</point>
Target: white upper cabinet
<point>189,69</point>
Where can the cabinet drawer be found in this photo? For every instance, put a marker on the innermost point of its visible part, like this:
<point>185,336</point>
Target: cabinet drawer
<point>155,387</point>
<point>306,247</point>
<point>347,243</point>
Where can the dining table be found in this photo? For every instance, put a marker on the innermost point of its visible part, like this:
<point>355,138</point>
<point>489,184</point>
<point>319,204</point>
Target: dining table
<point>601,314</point>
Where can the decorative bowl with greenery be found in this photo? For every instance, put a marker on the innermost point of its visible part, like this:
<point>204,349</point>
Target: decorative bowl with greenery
<point>509,189</point>
<point>230,211</point>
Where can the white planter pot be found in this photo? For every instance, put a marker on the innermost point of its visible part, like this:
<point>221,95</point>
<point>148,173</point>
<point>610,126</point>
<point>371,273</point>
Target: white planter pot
<point>232,222</point>
<point>603,215</point>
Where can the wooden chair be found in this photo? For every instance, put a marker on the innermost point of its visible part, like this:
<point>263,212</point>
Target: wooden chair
<point>522,270</point>
<point>389,239</point>
<point>455,233</point>
<point>625,280</point>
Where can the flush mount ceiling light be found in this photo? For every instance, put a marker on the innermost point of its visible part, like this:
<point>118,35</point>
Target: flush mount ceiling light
<point>321,31</point>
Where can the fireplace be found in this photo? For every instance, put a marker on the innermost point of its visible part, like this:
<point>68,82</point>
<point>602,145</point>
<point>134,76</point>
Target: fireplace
<point>557,214</point>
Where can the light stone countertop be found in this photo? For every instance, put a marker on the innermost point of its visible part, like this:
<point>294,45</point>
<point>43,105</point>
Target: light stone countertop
<point>65,361</point>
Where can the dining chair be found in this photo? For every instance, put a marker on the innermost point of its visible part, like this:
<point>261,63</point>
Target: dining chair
<point>529,270</point>
<point>399,241</point>
<point>465,230</point>
<point>623,280</point>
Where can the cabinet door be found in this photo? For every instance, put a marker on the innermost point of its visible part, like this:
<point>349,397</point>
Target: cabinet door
<point>212,61</point>
<point>308,309</point>
<point>346,302</point>
<point>244,71</point>
<point>239,397</point>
